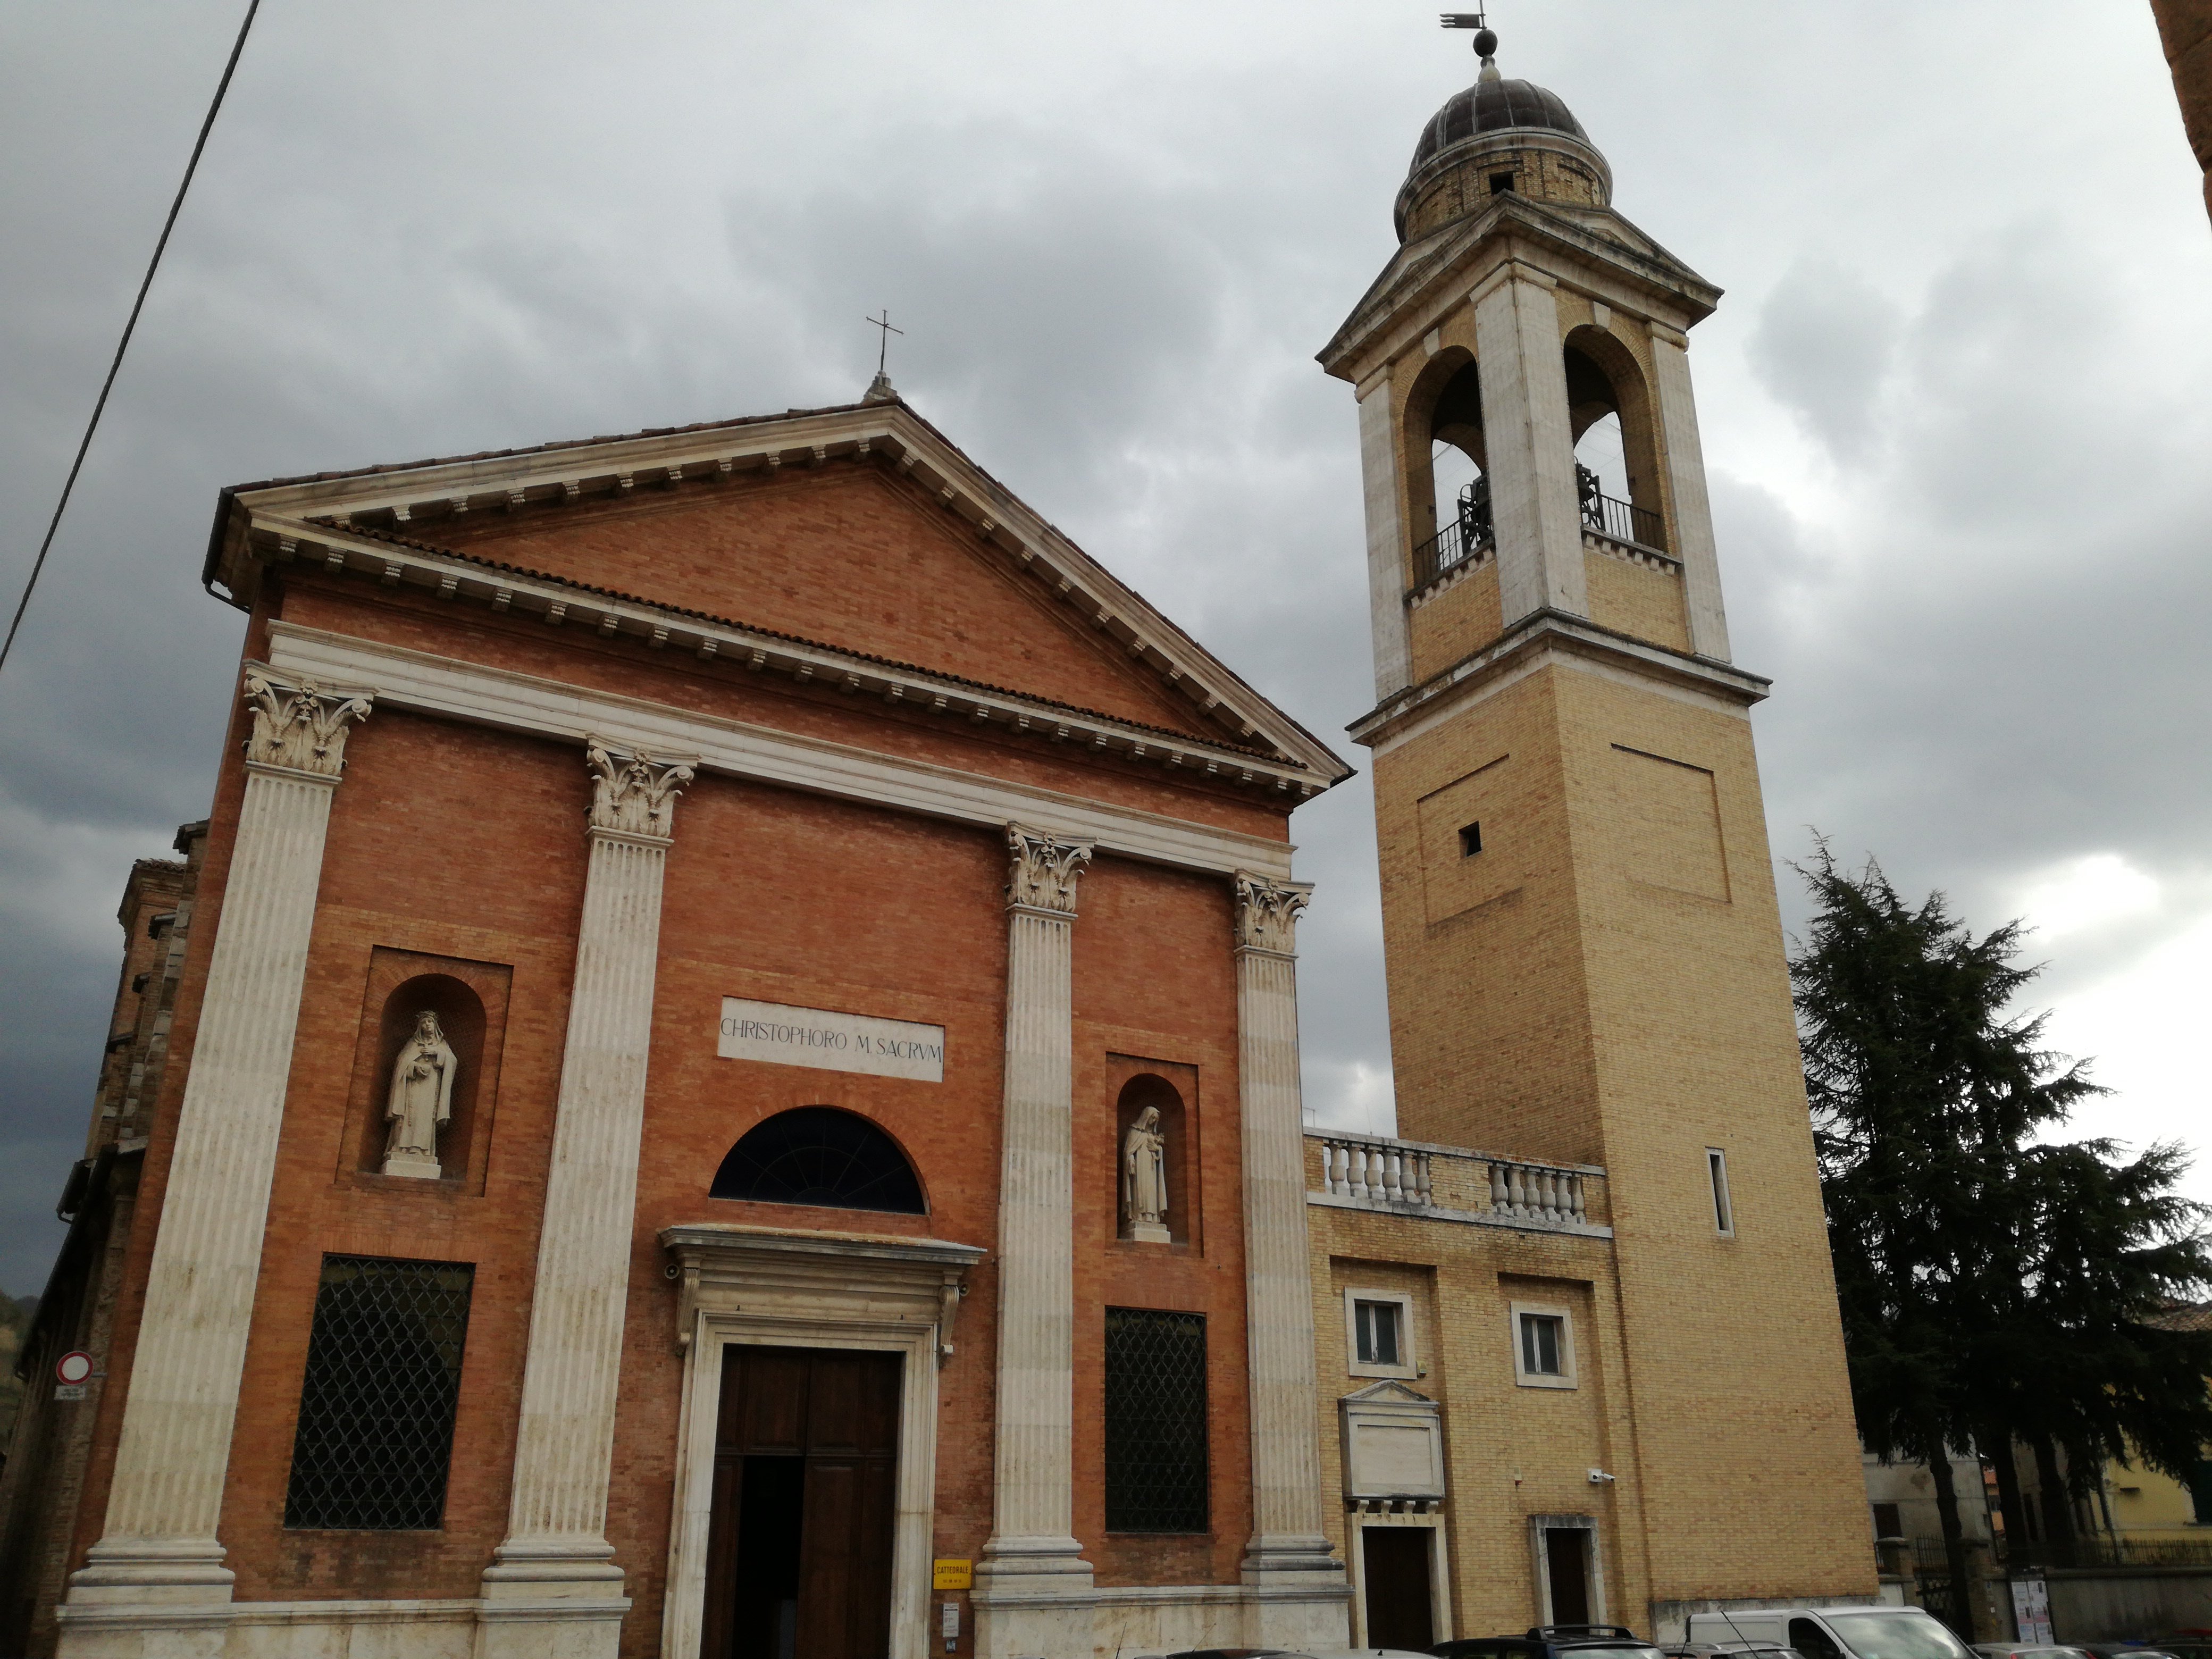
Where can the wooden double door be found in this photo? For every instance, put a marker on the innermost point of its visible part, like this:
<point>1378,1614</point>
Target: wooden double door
<point>799,1550</point>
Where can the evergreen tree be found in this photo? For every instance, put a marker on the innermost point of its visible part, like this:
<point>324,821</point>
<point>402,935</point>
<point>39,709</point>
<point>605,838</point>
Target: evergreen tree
<point>1991,1288</point>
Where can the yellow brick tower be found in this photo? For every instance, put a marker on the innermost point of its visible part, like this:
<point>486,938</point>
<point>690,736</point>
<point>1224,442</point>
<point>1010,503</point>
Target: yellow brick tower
<point>1585,960</point>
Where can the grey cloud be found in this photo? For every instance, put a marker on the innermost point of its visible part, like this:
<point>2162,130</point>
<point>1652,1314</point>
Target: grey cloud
<point>1825,346</point>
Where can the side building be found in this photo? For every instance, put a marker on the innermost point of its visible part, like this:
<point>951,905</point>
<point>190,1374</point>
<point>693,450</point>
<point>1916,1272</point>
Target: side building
<point>1617,1321</point>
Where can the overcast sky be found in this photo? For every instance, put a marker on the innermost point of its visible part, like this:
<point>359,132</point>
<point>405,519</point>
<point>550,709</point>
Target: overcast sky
<point>1955,403</point>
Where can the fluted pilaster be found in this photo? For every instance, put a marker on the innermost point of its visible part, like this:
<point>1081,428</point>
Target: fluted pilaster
<point>557,1544</point>
<point>1286,1513</point>
<point>1032,1548</point>
<point>165,1501</point>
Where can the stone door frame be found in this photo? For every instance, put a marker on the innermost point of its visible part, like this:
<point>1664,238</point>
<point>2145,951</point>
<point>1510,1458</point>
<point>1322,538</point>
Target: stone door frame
<point>771,1287</point>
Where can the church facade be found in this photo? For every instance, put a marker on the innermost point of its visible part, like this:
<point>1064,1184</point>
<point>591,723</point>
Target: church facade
<point>722,1077</point>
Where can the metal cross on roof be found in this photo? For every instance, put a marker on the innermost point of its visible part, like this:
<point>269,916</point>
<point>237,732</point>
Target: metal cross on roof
<point>884,346</point>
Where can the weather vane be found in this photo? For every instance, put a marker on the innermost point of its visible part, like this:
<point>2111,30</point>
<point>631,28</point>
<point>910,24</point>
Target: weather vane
<point>883,345</point>
<point>1486,42</point>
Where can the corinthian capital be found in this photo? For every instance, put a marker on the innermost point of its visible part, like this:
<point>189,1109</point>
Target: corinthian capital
<point>1267,913</point>
<point>1044,870</point>
<point>301,727</point>
<point>634,794</point>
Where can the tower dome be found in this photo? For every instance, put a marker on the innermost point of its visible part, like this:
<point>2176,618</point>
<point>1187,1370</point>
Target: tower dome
<point>1498,135</point>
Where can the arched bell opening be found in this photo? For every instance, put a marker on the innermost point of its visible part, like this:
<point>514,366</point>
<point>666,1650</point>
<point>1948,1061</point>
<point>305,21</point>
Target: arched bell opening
<point>1448,489</point>
<point>823,1156</point>
<point>1616,448</point>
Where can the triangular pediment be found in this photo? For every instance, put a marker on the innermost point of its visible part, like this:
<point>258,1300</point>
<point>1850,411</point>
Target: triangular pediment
<point>1386,1394</point>
<point>855,542</point>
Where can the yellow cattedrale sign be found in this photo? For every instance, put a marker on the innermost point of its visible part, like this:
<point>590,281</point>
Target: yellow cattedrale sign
<point>953,1575</point>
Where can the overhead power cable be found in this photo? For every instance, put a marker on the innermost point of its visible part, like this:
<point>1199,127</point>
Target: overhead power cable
<point>108,385</point>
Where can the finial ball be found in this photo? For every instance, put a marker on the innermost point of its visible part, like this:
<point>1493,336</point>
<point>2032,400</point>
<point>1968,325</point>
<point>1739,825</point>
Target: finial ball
<point>1485,43</point>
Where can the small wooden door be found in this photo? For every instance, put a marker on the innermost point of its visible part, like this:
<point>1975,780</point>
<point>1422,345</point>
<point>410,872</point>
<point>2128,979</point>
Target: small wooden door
<point>1394,1577</point>
<point>799,1550</point>
<point>1566,1561</point>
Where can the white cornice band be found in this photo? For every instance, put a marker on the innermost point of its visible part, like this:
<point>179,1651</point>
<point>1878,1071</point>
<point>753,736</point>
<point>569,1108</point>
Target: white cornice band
<point>451,689</point>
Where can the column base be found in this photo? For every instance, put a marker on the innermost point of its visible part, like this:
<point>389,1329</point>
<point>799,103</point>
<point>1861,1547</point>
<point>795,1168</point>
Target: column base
<point>551,1598</point>
<point>132,1571</point>
<point>1289,1561</point>
<point>1034,1599</point>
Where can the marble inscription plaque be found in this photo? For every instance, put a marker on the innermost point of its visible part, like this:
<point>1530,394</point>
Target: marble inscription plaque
<point>830,1042</point>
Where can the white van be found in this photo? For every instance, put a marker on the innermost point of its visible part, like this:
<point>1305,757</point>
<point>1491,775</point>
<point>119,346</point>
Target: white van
<point>1834,1632</point>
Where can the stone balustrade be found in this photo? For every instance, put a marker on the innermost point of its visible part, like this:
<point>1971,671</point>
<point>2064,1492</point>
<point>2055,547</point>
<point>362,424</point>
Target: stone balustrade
<point>1452,1182</point>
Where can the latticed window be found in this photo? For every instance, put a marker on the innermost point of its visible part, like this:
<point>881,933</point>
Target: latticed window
<point>1154,1421</point>
<point>376,1410</point>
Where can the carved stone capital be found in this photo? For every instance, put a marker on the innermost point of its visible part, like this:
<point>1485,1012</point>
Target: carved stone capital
<point>1267,913</point>
<point>300,727</point>
<point>634,794</point>
<point>1044,871</point>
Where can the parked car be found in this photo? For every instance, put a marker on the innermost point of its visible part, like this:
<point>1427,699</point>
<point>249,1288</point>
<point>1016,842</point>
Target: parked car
<point>1552,1642</point>
<point>1730,1650</point>
<point>2031,1650</point>
<point>1857,1632</point>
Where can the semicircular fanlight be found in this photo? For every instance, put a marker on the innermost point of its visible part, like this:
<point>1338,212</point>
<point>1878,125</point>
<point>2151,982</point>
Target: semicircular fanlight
<point>821,1155</point>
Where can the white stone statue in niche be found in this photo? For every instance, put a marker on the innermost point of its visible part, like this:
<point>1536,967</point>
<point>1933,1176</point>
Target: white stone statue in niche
<point>1145,1179</point>
<point>421,1100</point>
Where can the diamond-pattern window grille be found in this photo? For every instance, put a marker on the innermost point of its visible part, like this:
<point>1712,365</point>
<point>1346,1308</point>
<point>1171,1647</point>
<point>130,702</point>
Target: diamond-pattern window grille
<point>1154,1421</point>
<point>376,1410</point>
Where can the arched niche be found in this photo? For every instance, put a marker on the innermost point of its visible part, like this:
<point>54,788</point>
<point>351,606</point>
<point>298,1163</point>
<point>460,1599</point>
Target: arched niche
<point>1604,378</point>
<point>1150,1089</point>
<point>824,1157</point>
<point>1444,408</point>
<point>461,1018</point>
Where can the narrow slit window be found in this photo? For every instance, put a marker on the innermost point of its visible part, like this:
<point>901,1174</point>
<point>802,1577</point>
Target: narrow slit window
<point>1470,839</point>
<point>1543,1347</point>
<point>1377,1332</point>
<point>1723,1211</point>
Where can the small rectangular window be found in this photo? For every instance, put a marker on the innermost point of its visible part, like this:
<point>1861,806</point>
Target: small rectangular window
<point>1723,1211</point>
<point>1470,841</point>
<point>1543,1335</point>
<point>1541,1343</point>
<point>1501,183</point>
<point>1155,1440</point>
<point>1888,1523</point>
<point>375,1438</point>
<point>1377,1323</point>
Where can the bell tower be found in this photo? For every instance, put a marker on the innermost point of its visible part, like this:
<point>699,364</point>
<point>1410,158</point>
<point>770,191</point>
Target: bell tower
<point>1585,960</point>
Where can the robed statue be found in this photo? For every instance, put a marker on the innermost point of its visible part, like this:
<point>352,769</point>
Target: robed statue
<point>1145,1178</point>
<point>420,1101</point>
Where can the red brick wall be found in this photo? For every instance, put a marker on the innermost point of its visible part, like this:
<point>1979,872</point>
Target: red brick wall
<point>849,556</point>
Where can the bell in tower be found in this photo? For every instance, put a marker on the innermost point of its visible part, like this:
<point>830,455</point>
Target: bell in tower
<point>1584,956</point>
